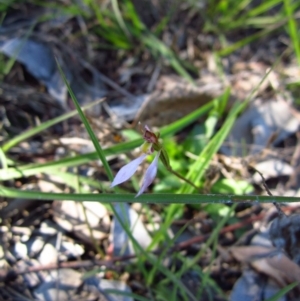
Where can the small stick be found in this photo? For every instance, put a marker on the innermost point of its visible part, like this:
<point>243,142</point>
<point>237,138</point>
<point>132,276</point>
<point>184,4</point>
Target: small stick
<point>280,211</point>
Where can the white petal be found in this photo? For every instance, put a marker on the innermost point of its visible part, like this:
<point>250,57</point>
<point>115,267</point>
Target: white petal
<point>127,171</point>
<point>149,175</point>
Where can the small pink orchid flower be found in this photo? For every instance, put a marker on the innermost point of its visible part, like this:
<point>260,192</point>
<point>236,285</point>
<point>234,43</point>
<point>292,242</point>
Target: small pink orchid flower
<point>126,172</point>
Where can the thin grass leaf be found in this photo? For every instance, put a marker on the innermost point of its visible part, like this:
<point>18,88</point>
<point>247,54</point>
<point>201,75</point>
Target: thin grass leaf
<point>283,292</point>
<point>118,40</point>
<point>119,17</point>
<point>264,7</point>
<point>110,30</point>
<point>70,9</point>
<point>235,10</point>
<point>14,57</point>
<point>197,170</point>
<point>134,17</point>
<point>3,160</point>
<point>97,9</point>
<point>226,51</point>
<point>168,244</point>
<point>93,137</point>
<point>5,5</point>
<point>43,126</point>
<point>253,22</point>
<point>155,45</point>
<point>164,198</point>
<point>261,22</point>
<point>293,28</point>
<point>255,36</point>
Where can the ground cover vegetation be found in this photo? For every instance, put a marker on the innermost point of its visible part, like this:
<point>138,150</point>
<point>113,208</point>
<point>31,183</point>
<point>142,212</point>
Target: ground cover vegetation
<point>149,150</point>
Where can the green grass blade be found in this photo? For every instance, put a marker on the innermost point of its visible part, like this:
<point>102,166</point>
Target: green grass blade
<point>109,27</point>
<point>283,292</point>
<point>226,51</point>
<point>255,36</point>
<point>156,46</point>
<point>93,137</point>
<point>115,7</point>
<point>180,124</point>
<point>3,160</point>
<point>13,58</point>
<point>235,11</point>
<point>45,125</point>
<point>264,7</point>
<point>293,28</point>
<point>118,41</point>
<point>199,167</point>
<point>167,198</point>
<point>138,25</point>
<point>261,22</point>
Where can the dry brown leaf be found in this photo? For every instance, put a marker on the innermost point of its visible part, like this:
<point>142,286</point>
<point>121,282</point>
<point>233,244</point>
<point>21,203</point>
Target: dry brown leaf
<point>269,261</point>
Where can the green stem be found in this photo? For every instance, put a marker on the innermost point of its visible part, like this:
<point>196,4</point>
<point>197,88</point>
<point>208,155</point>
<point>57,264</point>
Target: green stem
<point>175,173</point>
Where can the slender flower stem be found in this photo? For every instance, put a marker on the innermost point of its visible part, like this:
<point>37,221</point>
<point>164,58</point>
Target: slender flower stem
<point>184,179</point>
